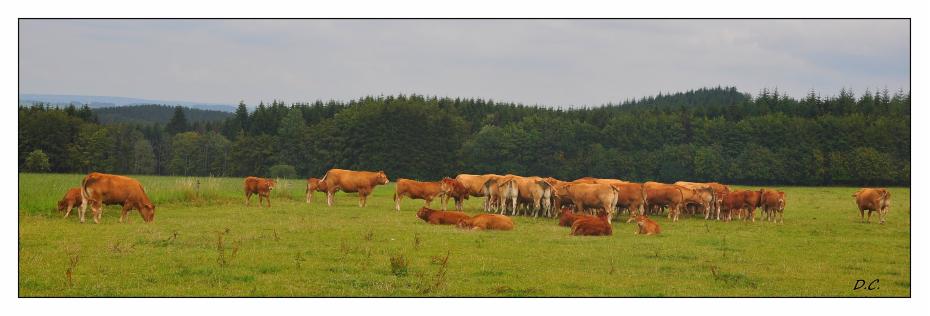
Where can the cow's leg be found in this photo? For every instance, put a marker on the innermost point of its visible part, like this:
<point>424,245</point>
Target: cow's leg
<point>329,198</point>
<point>430,201</point>
<point>861,215</point>
<point>98,212</point>
<point>309,196</point>
<point>268,199</point>
<point>123,212</point>
<point>248,196</point>
<point>869,219</point>
<point>397,198</point>
<point>68,211</point>
<point>881,215</point>
<point>83,210</point>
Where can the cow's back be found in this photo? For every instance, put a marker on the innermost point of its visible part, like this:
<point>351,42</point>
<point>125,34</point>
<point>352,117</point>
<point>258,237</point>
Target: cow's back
<point>112,189</point>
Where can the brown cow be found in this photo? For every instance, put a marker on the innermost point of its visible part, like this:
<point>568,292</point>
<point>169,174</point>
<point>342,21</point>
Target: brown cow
<point>487,222</point>
<point>751,202</point>
<point>630,197</point>
<point>568,217</point>
<point>730,203</point>
<point>71,199</point>
<point>454,189</point>
<point>536,193</point>
<point>349,181</point>
<point>660,194</point>
<point>437,217</point>
<point>702,198</point>
<point>314,185</point>
<point>416,190</point>
<point>476,185</point>
<point>598,226</point>
<point>260,186</point>
<point>874,200</point>
<point>773,201</point>
<point>597,196</point>
<point>99,189</point>
<point>645,225</point>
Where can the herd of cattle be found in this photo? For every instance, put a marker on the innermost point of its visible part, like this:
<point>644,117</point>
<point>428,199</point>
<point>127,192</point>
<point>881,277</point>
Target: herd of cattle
<point>587,204</point>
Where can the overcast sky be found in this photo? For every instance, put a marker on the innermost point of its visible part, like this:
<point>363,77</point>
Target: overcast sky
<point>546,62</point>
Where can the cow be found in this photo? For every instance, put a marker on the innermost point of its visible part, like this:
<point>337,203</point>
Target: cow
<point>486,222</point>
<point>454,189</point>
<point>702,198</point>
<point>491,192</point>
<point>314,185</point>
<point>773,205</point>
<point>568,217</point>
<point>731,202</point>
<point>437,217</point>
<point>260,186</point>
<point>630,197</point>
<point>752,201</point>
<point>597,196</point>
<point>598,226</point>
<point>71,199</point>
<point>645,226</point>
<point>559,195</point>
<point>476,185</point>
<point>349,181</point>
<point>507,193</point>
<point>98,189</point>
<point>416,190</point>
<point>873,200</point>
<point>536,193</point>
<point>658,195</point>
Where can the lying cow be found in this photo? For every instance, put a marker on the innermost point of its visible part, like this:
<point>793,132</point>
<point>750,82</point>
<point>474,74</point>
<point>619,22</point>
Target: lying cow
<point>644,225</point>
<point>873,200</point>
<point>568,217</point>
<point>454,189</point>
<point>314,185</point>
<point>71,199</point>
<point>773,205</point>
<point>597,226</point>
<point>436,217</point>
<point>349,181</point>
<point>260,186</point>
<point>98,189</point>
<point>487,222</point>
<point>425,191</point>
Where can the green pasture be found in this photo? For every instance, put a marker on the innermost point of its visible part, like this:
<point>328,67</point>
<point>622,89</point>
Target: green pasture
<point>206,242</point>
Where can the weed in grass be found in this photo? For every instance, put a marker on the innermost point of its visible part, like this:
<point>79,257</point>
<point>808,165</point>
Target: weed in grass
<point>221,258</point>
<point>298,259</point>
<point>73,258</point>
<point>416,241</point>
<point>399,265</point>
<point>369,235</point>
<point>439,279</point>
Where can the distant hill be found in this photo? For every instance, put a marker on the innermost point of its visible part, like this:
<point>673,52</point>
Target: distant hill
<point>153,113</point>
<point>108,101</point>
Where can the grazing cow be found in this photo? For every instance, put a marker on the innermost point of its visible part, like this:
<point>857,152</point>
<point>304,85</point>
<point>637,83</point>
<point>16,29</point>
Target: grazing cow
<point>630,197</point>
<point>645,226</point>
<point>72,198</point>
<point>702,198</point>
<point>260,186</point>
<point>314,185</point>
<point>349,181</point>
<point>568,217</point>
<point>437,217</point>
<point>596,196</point>
<point>597,226</point>
<point>416,190</point>
<point>98,189</point>
<point>487,222</point>
<point>454,189</point>
<point>874,200</point>
<point>773,201</point>
<point>559,194</point>
<point>660,194</point>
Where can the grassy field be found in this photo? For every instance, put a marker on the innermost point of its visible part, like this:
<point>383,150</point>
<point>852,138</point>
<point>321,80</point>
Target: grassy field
<point>206,242</point>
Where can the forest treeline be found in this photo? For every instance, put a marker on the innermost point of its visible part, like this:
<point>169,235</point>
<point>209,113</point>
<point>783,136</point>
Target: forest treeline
<point>710,134</point>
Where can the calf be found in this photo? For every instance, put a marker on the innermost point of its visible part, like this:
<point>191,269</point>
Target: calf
<point>416,190</point>
<point>568,217</point>
<point>873,200</point>
<point>260,186</point>
<point>645,226</point>
<point>72,198</point>
<point>436,217</point>
<point>487,222</point>
<point>598,226</point>
<point>314,185</point>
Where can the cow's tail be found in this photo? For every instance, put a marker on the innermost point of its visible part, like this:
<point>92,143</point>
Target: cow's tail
<point>85,194</point>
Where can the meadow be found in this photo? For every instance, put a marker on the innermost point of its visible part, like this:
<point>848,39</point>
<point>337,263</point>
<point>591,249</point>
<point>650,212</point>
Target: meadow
<point>206,242</point>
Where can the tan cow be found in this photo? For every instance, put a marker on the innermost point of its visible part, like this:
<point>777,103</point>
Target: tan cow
<point>773,205</point>
<point>416,190</point>
<point>454,189</point>
<point>536,192</point>
<point>873,200</point>
<point>660,195</point>
<point>699,197</point>
<point>595,196</point>
<point>487,222</point>
<point>98,189</point>
<point>630,197</point>
<point>645,226</point>
<point>348,181</point>
<point>314,185</point>
<point>559,194</point>
<point>71,199</point>
<point>507,193</point>
<point>476,186</point>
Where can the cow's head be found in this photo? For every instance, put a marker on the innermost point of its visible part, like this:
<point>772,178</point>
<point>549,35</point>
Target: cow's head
<point>313,184</point>
<point>147,210</point>
<point>424,213</point>
<point>62,205</point>
<point>382,178</point>
<point>270,183</point>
